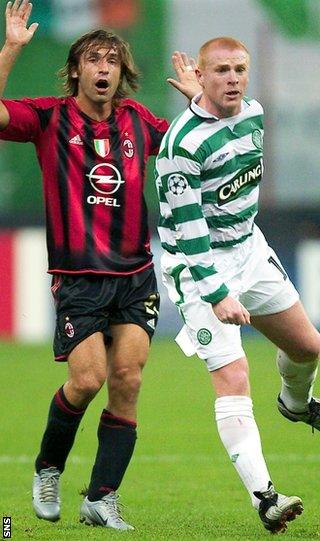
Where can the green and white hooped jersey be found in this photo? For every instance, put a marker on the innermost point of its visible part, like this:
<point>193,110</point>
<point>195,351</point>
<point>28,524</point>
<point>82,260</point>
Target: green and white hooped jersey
<point>207,175</point>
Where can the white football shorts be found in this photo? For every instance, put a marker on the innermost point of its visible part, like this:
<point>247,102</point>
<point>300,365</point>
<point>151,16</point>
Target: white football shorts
<point>254,276</point>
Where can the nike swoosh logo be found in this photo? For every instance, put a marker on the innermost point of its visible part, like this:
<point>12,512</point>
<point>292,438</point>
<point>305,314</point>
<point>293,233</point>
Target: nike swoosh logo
<point>104,521</point>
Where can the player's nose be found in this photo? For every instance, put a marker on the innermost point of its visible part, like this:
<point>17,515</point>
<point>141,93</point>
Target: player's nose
<point>103,65</point>
<point>233,76</point>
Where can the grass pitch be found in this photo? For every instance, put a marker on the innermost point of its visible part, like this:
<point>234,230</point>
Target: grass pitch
<point>180,484</point>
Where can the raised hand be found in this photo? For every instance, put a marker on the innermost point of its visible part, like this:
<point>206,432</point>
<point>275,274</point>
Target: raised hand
<point>17,16</point>
<point>184,67</point>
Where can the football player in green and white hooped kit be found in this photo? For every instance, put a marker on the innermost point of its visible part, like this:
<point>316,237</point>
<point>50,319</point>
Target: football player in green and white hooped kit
<point>220,271</point>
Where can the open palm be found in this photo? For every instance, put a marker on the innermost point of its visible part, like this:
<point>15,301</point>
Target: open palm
<point>186,81</point>
<point>17,16</point>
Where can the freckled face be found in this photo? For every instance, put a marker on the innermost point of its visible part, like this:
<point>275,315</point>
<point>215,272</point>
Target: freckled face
<point>223,74</point>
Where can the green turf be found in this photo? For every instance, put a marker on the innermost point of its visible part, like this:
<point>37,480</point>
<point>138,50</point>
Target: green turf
<point>180,484</point>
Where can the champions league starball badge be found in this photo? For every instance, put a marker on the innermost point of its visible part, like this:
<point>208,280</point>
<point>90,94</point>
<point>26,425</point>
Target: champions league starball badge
<point>177,184</point>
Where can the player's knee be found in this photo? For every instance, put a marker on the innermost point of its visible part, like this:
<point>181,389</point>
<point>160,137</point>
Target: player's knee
<point>306,349</point>
<point>231,382</point>
<point>239,382</point>
<point>125,382</point>
<point>87,385</point>
<point>232,379</point>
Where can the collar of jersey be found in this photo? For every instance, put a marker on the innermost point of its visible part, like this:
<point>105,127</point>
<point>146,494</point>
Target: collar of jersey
<point>194,107</point>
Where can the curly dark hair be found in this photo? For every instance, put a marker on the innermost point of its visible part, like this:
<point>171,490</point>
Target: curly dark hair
<point>95,40</point>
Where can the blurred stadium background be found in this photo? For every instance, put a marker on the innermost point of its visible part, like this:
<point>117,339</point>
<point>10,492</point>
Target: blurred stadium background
<point>284,39</point>
<point>180,485</point>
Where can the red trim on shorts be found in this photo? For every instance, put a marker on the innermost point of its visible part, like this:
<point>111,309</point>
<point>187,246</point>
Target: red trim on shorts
<point>61,358</point>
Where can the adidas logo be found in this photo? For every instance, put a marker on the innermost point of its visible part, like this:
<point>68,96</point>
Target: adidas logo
<point>152,323</point>
<point>76,140</point>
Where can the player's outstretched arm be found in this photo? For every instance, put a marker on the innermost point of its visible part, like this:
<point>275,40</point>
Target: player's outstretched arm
<point>186,81</point>
<point>18,34</point>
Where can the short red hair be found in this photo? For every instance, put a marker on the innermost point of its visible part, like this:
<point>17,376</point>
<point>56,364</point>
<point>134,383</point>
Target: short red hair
<point>224,41</point>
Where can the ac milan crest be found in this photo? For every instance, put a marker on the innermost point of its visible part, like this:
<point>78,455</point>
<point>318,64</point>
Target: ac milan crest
<point>128,148</point>
<point>69,329</point>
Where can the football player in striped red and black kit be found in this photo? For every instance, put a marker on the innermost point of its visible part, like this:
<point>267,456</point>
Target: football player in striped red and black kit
<point>92,146</point>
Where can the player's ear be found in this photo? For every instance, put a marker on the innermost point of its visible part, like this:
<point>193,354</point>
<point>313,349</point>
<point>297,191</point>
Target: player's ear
<point>199,76</point>
<point>74,73</point>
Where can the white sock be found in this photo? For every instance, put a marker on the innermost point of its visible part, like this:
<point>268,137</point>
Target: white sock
<point>240,436</point>
<point>297,382</point>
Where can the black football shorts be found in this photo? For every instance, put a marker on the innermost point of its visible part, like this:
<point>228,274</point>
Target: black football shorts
<point>86,304</point>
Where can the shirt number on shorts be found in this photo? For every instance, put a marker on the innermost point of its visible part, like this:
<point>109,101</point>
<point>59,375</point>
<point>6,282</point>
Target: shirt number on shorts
<point>278,266</point>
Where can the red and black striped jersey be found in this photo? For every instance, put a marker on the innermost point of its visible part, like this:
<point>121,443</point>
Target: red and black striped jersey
<point>93,179</point>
